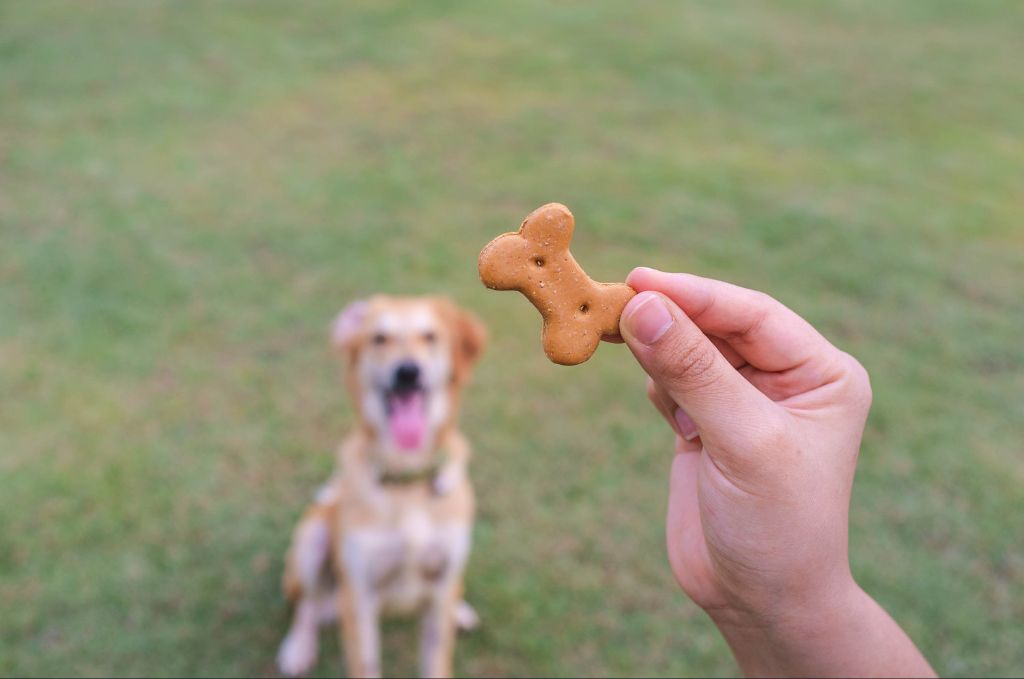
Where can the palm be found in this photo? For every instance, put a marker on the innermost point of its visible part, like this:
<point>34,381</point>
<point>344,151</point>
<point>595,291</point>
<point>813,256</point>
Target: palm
<point>702,520</point>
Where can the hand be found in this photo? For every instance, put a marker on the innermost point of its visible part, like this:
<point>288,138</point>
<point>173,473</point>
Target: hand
<point>768,417</point>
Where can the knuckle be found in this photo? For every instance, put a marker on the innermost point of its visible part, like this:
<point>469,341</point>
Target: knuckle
<point>858,381</point>
<point>764,301</point>
<point>691,364</point>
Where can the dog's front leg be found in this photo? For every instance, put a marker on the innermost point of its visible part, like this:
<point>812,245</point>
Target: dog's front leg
<point>437,634</point>
<point>360,633</point>
<point>443,565</point>
<point>360,610</point>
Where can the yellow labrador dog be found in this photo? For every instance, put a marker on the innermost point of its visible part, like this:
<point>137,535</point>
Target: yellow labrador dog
<point>390,533</point>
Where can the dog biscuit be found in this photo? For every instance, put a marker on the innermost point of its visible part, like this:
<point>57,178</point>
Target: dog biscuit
<point>536,261</point>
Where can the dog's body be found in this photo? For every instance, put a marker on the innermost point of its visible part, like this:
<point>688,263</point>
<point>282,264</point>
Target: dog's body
<point>390,533</point>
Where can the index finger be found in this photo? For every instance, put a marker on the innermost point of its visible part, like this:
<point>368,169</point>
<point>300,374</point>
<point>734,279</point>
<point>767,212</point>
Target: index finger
<point>766,333</point>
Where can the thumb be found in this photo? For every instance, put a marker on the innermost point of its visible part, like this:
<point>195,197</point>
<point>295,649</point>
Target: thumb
<point>724,406</point>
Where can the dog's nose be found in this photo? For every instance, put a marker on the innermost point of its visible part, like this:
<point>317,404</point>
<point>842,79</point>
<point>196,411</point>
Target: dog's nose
<point>407,375</point>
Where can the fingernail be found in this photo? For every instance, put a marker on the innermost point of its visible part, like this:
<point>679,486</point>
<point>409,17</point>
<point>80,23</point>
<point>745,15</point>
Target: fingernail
<point>649,319</point>
<point>686,426</point>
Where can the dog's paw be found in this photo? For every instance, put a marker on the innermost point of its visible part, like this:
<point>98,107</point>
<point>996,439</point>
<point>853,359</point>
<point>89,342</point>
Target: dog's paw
<point>297,654</point>
<point>466,619</point>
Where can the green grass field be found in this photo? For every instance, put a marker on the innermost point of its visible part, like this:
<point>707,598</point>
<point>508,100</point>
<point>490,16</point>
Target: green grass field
<point>188,193</point>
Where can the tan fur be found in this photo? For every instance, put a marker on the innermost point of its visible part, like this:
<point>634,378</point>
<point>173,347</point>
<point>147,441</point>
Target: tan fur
<point>392,548</point>
<point>291,581</point>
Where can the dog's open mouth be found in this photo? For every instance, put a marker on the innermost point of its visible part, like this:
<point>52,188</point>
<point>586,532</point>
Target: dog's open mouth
<point>407,417</point>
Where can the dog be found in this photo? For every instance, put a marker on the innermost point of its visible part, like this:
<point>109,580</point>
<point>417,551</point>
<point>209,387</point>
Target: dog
<point>390,532</point>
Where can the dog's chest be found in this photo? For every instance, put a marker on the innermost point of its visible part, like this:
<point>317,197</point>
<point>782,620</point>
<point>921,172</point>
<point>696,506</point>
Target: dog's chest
<point>408,560</point>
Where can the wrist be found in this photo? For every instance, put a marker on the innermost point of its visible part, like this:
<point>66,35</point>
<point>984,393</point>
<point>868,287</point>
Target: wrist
<point>785,635</point>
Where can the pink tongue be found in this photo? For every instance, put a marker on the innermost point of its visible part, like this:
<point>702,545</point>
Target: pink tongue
<point>408,421</point>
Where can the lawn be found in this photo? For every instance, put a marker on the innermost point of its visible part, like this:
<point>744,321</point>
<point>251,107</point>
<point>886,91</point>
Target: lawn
<point>188,193</point>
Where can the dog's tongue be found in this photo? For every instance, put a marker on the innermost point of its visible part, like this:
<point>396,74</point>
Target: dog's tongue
<point>408,421</point>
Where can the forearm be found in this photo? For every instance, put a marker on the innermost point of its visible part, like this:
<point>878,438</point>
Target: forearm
<point>851,635</point>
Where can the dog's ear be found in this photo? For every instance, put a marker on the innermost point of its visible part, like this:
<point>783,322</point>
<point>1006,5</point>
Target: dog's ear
<point>469,336</point>
<point>347,327</point>
<point>472,338</point>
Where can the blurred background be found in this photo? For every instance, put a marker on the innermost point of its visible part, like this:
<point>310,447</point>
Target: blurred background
<point>189,193</point>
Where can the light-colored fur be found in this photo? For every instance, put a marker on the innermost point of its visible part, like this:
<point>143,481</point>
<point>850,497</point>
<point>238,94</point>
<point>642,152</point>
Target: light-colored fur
<point>364,548</point>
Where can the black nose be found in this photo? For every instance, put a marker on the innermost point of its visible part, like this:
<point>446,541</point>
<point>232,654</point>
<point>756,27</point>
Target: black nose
<point>407,376</point>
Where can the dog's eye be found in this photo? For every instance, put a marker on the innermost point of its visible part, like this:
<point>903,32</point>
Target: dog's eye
<point>430,337</point>
<point>380,339</point>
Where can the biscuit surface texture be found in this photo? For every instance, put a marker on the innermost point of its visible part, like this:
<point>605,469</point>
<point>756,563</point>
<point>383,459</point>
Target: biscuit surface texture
<point>536,261</point>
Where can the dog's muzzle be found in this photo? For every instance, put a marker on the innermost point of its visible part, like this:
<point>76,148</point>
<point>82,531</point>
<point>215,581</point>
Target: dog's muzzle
<point>405,403</point>
<point>407,377</point>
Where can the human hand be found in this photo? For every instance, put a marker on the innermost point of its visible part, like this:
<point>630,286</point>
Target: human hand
<point>768,417</point>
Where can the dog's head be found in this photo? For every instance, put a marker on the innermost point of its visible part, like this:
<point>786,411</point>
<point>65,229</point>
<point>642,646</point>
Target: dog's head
<point>407,360</point>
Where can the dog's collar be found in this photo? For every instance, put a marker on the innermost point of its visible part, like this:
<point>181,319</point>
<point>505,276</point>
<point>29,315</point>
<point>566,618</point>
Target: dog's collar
<point>404,478</point>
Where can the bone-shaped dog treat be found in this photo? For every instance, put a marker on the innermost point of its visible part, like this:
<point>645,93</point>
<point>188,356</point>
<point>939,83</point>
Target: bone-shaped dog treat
<point>536,261</point>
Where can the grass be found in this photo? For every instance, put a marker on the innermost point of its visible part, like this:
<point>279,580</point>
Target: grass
<point>188,193</point>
